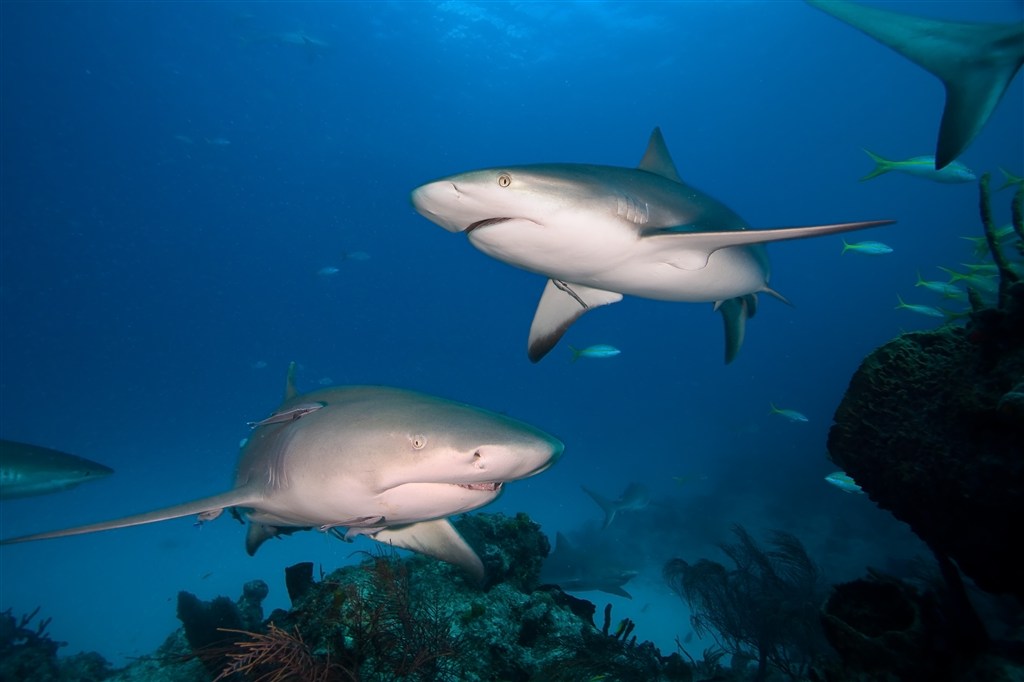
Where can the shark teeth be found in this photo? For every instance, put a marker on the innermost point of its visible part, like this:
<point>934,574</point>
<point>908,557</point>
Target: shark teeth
<point>490,487</point>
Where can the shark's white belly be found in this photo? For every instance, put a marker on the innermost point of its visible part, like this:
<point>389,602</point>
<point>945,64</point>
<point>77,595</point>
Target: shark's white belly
<point>635,268</point>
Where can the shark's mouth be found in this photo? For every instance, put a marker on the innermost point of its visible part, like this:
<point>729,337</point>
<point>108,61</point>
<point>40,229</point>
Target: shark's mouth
<point>484,223</point>
<point>490,487</point>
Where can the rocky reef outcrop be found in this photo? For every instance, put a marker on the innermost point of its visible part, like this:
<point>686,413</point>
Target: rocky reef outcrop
<point>932,429</point>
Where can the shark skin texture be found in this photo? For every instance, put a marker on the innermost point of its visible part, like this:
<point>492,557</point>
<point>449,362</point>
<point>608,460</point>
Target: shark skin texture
<point>601,232</point>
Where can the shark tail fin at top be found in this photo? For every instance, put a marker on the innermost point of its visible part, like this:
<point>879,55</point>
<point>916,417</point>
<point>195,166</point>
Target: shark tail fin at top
<point>207,507</point>
<point>604,503</point>
<point>882,166</point>
<point>975,62</point>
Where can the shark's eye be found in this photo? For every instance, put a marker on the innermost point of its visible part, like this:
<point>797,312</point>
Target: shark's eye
<point>504,180</point>
<point>418,441</point>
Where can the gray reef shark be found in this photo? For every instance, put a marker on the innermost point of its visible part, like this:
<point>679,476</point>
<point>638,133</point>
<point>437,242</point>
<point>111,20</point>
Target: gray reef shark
<point>976,62</point>
<point>599,232</point>
<point>383,462</point>
<point>575,570</point>
<point>27,470</point>
<point>634,497</point>
<point>314,47</point>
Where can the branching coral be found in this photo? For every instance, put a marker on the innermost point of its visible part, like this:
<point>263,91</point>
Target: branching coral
<point>765,609</point>
<point>274,656</point>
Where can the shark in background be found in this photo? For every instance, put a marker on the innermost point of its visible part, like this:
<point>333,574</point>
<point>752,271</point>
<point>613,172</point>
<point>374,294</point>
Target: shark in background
<point>976,63</point>
<point>578,570</point>
<point>600,232</point>
<point>636,496</point>
<point>27,470</point>
<point>383,462</point>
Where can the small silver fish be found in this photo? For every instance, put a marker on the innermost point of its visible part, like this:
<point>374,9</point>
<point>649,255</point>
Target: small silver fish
<point>791,415</point>
<point>919,309</point>
<point>844,482</point>
<point>600,350</point>
<point>328,271</point>
<point>921,167</point>
<point>868,248</point>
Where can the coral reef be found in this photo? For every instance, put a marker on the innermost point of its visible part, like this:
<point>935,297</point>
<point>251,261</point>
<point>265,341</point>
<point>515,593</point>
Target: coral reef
<point>765,609</point>
<point>388,618</point>
<point>28,653</point>
<point>932,429</point>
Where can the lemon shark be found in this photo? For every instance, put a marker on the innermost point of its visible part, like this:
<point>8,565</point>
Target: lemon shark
<point>27,469</point>
<point>384,462</point>
<point>601,232</point>
<point>976,63</point>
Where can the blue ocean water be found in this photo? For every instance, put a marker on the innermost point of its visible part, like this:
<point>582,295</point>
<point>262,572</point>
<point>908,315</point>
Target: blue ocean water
<point>175,177</point>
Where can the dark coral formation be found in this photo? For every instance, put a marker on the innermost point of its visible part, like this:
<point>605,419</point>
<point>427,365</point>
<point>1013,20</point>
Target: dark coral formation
<point>28,653</point>
<point>886,629</point>
<point>932,428</point>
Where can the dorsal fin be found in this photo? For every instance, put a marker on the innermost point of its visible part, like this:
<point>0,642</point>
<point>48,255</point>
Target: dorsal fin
<point>657,160</point>
<point>289,384</point>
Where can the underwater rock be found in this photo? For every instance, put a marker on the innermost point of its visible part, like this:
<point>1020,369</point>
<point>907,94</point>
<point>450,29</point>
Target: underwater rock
<point>512,549</point>
<point>931,429</point>
<point>298,579</point>
<point>886,629</point>
<point>881,626</point>
<point>250,604</point>
<point>203,622</point>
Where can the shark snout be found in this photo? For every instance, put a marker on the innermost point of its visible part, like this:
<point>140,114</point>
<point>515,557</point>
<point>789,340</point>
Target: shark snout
<point>439,202</point>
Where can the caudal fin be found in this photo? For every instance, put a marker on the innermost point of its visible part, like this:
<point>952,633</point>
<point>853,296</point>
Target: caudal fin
<point>975,62</point>
<point>605,504</point>
<point>882,165</point>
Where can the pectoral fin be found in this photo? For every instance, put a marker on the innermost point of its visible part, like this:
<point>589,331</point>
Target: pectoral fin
<point>560,305</point>
<point>437,538</point>
<point>696,247</point>
<point>206,507</point>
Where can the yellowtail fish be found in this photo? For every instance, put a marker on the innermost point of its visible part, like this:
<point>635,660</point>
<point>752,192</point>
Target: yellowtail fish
<point>919,309</point>
<point>921,167</point>
<point>791,415</point>
<point>1010,180</point>
<point>947,289</point>
<point>868,248</point>
<point>842,480</point>
<point>982,280</point>
<point>600,350</point>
